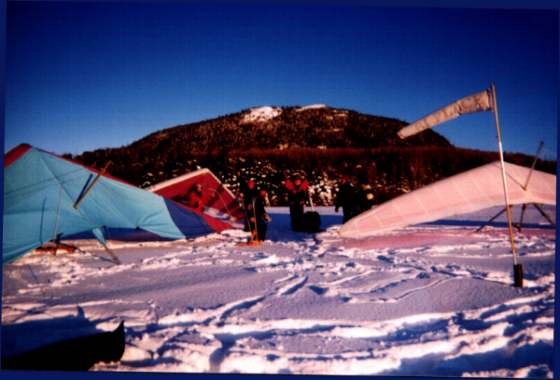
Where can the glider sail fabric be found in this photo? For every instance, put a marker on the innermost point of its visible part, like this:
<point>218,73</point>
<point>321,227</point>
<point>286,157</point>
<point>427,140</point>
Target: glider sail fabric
<point>220,207</point>
<point>481,101</point>
<point>466,192</point>
<point>40,193</point>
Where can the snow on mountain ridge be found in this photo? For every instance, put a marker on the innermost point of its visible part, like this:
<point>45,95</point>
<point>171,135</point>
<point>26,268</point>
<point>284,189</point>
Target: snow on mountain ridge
<point>265,113</point>
<point>311,107</point>
<point>260,114</point>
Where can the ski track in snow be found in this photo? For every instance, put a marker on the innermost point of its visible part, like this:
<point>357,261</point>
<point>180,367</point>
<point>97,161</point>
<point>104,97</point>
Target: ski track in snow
<point>306,304</point>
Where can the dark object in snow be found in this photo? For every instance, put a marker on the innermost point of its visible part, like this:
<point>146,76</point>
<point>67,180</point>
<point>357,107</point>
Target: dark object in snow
<point>77,354</point>
<point>311,222</point>
<point>518,275</point>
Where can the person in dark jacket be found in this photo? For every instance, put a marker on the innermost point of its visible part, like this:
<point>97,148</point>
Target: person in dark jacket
<point>260,219</point>
<point>346,199</point>
<point>250,192</point>
<point>364,197</point>
<point>297,195</point>
<point>248,197</point>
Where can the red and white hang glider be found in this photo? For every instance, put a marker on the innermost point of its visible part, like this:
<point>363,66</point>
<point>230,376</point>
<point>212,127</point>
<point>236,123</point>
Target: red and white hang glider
<point>470,191</point>
<point>219,206</point>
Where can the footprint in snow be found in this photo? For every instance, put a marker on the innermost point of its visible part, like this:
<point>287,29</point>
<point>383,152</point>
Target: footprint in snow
<point>385,259</point>
<point>423,275</point>
<point>318,289</point>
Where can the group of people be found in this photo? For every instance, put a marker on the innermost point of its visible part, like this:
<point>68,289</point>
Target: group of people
<point>353,200</point>
<point>254,201</point>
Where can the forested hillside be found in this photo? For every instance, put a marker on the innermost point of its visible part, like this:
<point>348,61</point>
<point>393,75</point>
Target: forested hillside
<point>320,142</point>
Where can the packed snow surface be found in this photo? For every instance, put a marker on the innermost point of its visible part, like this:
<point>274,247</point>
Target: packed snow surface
<point>261,114</point>
<point>433,299</point>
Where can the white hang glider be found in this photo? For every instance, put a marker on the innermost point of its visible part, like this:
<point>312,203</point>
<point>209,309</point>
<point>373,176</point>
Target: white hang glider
<point>470,191</point>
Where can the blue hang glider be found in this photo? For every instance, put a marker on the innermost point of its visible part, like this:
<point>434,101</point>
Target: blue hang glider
<point>48,198</point>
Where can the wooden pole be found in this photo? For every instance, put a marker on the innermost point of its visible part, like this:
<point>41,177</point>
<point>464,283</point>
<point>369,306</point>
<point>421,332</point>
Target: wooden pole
<point>255,215</point>
<point>516,267</point>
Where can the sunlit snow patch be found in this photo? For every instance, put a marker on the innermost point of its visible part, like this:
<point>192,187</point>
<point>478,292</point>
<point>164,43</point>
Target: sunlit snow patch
<point>261,114</point>
<point>311,107</point>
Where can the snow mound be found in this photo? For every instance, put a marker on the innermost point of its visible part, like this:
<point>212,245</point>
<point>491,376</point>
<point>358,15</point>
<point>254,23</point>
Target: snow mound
<point>261,114</point>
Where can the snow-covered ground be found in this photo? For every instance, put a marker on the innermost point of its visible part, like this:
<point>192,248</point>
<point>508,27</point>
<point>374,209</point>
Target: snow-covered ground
<point>434,299</point>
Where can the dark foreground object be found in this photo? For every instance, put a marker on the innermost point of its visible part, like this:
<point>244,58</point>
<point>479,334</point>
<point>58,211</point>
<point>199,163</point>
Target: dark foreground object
<point>518,276</point>
<point>78,354</point>
<point>311,222</point>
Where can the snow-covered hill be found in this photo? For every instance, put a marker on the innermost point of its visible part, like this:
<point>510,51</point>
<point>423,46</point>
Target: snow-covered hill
<point>426,300</point>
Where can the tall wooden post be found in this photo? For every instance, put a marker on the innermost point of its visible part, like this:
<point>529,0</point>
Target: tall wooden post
<point>517,268</point>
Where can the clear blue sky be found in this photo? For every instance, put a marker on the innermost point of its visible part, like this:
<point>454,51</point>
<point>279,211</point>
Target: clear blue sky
<point>82,76</point>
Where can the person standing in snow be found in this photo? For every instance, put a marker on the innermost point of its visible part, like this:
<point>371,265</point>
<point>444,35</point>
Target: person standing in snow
<point>297,195</point>
<point>249,192</point>
<point>259,219</point>
<point>248,195</point>
<point>346,199</point>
